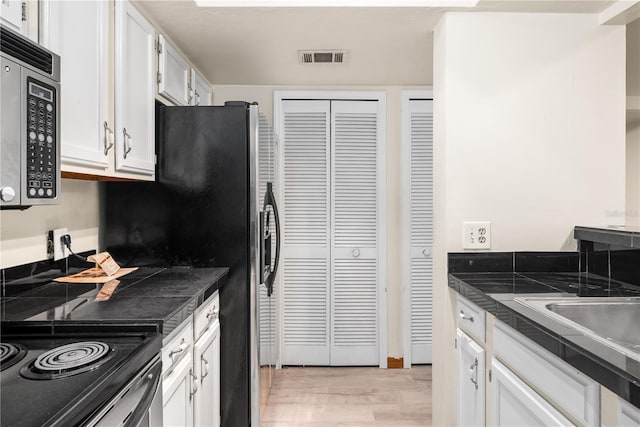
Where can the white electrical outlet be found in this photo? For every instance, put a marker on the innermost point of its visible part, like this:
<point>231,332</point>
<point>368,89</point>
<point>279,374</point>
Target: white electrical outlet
<point>476,235</point>
<point>57,248</point>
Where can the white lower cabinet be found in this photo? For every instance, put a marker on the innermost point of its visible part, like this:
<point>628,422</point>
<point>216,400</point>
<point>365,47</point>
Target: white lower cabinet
<point>471,384</point>
<point>206,357</point>
<point>206,363</point>
<point>628,415</point>
<point>177,408</point>
<point>514,403</point>
<point>177,377</point>
<point>191,371</point>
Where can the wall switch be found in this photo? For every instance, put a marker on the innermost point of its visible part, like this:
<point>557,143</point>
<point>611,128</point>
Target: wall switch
<point>476,235</point>
<point>55,248</point>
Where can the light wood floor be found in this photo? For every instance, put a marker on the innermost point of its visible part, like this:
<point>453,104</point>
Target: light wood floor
<point>327,397</point>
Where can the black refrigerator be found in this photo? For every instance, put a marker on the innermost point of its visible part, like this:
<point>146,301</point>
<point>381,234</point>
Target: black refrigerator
<point>212,205</point>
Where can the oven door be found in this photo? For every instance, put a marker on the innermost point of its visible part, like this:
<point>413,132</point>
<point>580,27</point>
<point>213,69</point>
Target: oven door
<point>139,403</point>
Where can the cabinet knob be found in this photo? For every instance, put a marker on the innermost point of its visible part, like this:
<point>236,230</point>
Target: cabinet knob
<point>355,253</point>
<point>7,194</point>
<point>426,252</point>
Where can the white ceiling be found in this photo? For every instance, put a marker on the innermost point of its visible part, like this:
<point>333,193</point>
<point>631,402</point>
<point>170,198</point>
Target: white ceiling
<point>258,46</point>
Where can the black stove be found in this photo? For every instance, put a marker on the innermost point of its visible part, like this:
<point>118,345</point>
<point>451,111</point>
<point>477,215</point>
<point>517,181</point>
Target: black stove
<point>68,376</point>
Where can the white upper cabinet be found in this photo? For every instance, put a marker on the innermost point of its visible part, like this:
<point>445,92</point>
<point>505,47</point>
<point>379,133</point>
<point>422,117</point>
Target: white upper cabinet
<point>79,33</point>
<point>202,93</point>
<point>11,14</point>
<point>173,73</point>
<point>178,82</point>
<point>134,95</point>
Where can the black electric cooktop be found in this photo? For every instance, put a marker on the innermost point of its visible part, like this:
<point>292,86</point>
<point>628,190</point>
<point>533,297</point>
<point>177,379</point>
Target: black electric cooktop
<point>62,379</point>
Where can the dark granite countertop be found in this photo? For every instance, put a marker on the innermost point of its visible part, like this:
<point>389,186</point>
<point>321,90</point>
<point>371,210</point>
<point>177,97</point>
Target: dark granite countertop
<point>623,235</point>
<point>160,298</point>
<point>495,292</point>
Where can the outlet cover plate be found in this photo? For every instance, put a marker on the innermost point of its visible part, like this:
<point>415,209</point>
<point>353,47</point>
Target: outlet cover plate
<point>59,249</point>
<point>476,235</point>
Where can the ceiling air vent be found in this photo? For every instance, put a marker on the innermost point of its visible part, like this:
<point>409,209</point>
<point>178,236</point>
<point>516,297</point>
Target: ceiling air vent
<point>322,56</point>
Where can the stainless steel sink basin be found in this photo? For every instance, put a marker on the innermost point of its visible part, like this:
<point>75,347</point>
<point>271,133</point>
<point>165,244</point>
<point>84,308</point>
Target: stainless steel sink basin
<point>612,321</point>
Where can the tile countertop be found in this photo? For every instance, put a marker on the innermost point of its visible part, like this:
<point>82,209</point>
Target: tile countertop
<point>155,298</point>
<point>495,293</point>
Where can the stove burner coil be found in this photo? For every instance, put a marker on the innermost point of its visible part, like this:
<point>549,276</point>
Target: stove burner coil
<point>10,354</point>
<point>68,360</point>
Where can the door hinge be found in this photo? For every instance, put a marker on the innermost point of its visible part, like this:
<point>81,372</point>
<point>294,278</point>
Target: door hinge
<point>159,78</point>
<point>158,46</point>
<point>489,375</point>
<point>155,159</point>
<point>455,343</point>
<point>25,11</point>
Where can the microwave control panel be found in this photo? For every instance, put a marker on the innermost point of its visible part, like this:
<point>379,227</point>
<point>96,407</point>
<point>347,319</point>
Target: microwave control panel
<point>41,141</point>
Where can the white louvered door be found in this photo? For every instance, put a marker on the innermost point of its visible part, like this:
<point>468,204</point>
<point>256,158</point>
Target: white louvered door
<point>354,218</point>
<point>306,251</point>
<point>421,228</point>
<point>332,199</point>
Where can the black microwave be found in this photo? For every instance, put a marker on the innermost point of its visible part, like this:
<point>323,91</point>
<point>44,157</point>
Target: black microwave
<point>29,113</point>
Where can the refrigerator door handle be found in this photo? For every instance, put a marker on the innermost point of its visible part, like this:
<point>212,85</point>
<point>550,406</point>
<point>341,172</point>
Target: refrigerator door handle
<point>270,200</point>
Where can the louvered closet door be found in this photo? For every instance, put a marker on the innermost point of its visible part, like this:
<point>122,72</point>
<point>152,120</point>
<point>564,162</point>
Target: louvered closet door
<point>306,250</point>
<point>421,228</point>
<point>354,217</point>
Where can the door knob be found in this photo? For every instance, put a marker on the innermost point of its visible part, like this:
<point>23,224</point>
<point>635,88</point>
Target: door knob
<point>355,253</point>
<point>426,252</point>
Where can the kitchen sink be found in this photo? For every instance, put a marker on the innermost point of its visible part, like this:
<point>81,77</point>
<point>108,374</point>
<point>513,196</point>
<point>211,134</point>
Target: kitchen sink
<point>613,321</point>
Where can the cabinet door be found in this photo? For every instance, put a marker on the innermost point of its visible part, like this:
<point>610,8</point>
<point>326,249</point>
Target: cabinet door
<point>173,73</point>
<point>202,93</point>
<point>471,385</point>
<point>177,402</point>
<point>628,415</point>
<point>11,14</point>
<point>135,107</point>
<point>78,32</point>
<point>517,404</point>
<point>206,407</point>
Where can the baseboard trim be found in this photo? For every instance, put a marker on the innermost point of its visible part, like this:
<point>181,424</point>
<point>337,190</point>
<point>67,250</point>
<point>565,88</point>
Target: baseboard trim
<point>395,363</point>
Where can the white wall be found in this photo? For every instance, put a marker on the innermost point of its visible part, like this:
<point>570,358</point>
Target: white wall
<point>530,135</point>
<point>23,234</point>
<point>264,96</point>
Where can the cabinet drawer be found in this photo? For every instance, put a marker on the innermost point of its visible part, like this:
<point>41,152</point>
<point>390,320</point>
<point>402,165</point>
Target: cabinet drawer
<point>568,389</point>
<point>205,314</point>
<point>176,345</point>
<point>471,319</point>
<point>628,415</point>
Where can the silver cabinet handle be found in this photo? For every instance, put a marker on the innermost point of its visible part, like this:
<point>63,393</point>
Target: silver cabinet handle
<point>212,314</point>
<point>355,253</point>
<point>473,371</point>
<point>194,389</point>
<point>108,142</point>
<point>463,316</point>
<point>205,368</point>
<point>127,142</point>
<point>180,350</point>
